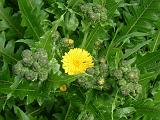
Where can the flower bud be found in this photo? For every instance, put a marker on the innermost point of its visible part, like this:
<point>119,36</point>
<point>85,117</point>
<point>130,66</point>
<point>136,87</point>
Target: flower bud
<point>122,82</point>
<point>101,81</point>
<point>63,88</point>
<point>31,75</point>
<point>68,42</point>
<point>133,75</point>
<point>118,74</point>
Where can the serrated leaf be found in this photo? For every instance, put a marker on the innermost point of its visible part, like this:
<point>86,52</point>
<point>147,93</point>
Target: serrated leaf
<point>11,21</point>
<point>7,51</point>
<point>129,52</point>
<point>31,19</point>
<point>142,16</point>
<point>46,40</point>
<point>149,62</point>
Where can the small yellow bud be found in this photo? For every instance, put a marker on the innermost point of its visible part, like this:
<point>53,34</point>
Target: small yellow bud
<point>69,41</point>
<point>63,88</point>
<point>100,82</point>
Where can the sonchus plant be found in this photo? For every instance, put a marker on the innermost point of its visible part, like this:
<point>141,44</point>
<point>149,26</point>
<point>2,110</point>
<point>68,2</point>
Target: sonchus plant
<point>79,59</point>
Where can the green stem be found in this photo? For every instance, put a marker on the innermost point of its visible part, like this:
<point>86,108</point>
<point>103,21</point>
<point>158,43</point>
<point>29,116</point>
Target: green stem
<point>69,107</point>
<point>84,39</point>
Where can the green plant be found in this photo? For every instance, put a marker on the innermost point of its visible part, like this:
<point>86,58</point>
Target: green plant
<point>121,36</point>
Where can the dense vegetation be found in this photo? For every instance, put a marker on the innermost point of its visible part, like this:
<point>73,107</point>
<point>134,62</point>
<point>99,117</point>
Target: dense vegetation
<point>120,37</point>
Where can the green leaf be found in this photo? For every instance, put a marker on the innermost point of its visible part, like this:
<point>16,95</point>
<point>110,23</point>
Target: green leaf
<point>20,113</point>
<point>90,36</point>
<point>71,22</point>
<point>156,41</point>
<point>112,6</point>
<point>7,51</point>
<point>61,80</point>
<point>12,21</point>
<point>124,112</point>
<point>46,40</point>
<point>113,57</point>
<point>145,80</point>
<point>142,16</point>
<point>129,52</point>
<point>30,18</point>
<point>149,62</point>
<point>5,73</point>
<point>29,42</point>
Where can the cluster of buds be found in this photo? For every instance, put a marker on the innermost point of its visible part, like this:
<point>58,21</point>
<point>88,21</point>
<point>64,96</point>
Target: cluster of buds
<point>128,77</point>
<point>96,76</point>
<point>94,12</point>
<point>33,66</point>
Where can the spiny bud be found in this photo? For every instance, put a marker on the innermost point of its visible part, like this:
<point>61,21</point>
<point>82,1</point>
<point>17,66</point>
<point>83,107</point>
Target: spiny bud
<point>63,88</point>
<point>40,53</point>
<point>26,53</point>
<point>43,75</point>
<point>125,91</point>
<point>101,81</point>
<point>97,44</point>
<point>102,61</point>
<point>138,88</point>
<point>31,75</point>
<point>122,82</point>
<point>27,61</point>
<point>35,66</point>
<point>118,74</point>
<point>18,67</point>
<point>94,16</point>
<point>56,36</point>
<point>133,75</point>
<point>90,71</point>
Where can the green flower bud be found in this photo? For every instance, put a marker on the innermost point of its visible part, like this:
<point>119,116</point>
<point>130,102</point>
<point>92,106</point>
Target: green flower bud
<point>86,8</point>
<point>102,61</point>
<point>31,75</point>
<point>133,75</point>
<point>138,88</point>
<point>103,16</point>
<point>96,8</point>
<point>122,82</point>
<point>125,91</point>
<point>18,68</point>
<point>27,62</point>
<point>101,81</point>
<point>56,36</point>
<point>90,71</point>
<point>35,66</point>
<point>43,75</point>
<point>26,54</point>
<point>118,74</point>
<point>94,16</point>
<point>40,54</point>
<point>131,86</point>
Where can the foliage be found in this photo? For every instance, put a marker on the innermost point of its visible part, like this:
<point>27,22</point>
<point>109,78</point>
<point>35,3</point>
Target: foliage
<point>123,36</point>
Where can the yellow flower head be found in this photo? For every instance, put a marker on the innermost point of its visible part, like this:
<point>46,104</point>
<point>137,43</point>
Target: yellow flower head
<point>76,61</point>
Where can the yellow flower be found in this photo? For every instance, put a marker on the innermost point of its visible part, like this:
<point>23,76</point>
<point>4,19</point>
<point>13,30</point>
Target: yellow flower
<point>76,61</point>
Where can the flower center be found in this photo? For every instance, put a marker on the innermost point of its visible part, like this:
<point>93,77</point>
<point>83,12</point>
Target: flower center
<point>76,63</point>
